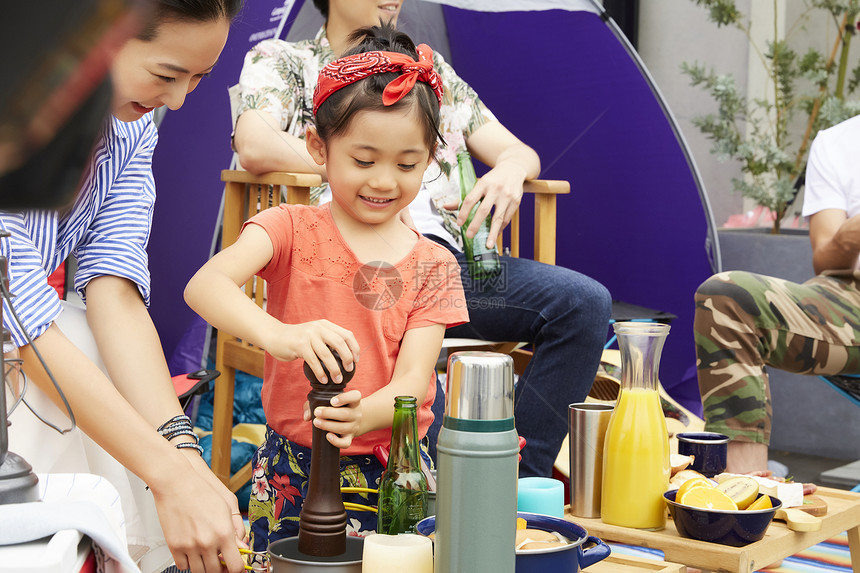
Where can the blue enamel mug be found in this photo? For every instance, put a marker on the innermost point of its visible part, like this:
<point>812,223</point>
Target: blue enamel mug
<point>709,451</point>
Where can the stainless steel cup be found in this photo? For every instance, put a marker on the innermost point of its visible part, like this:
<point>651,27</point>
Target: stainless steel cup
<point>588,422</point>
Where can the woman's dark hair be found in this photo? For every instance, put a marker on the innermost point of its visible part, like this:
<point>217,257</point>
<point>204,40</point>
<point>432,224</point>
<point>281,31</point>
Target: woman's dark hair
<point>334,115</point>
<point>322,6</point>
<point>187,11</point>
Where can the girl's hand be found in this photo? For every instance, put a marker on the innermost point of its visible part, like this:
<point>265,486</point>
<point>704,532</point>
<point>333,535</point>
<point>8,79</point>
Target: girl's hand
<point>499,190</point>
<point>314,342</point>
<point>341,421</point>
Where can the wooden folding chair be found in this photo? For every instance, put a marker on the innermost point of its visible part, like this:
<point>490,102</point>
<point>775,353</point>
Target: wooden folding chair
<point>247,195</point>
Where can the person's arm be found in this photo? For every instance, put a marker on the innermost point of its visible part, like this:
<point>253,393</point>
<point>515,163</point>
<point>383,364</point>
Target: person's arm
<point>443,304</point>
<point>835,240</point>
<point>130,348</point>
<point>830,174</point>
<point>512,162</point>
<point>195,516</point>
<point>214,293</point>
<point>132,353</point>
<point>268,107</point>
<point>416,360</point>
<point>263,147</point>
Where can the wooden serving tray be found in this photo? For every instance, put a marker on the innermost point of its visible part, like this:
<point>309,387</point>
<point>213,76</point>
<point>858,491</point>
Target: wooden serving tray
<point>630,564</point>
<point>843,514</point>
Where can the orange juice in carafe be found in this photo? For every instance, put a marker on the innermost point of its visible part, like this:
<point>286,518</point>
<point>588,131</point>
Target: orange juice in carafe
<point>636,449</point>
<point>636,462</point>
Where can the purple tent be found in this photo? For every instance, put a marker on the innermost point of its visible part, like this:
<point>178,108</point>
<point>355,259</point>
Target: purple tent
<point>565,81</point>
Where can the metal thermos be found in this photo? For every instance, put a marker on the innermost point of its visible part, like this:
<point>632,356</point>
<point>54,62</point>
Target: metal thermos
<point>476,496</point>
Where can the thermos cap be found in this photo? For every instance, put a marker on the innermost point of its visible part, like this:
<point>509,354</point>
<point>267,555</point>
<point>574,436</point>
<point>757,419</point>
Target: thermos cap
<point>480,386</point>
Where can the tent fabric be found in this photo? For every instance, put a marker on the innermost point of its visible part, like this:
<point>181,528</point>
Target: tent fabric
<point>635,218</point>
<point>521,5</point>
<point>562,81</point>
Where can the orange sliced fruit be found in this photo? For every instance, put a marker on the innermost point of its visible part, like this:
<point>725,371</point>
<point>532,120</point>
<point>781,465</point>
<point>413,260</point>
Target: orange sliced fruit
<point>761,503</point>
<point>708,498</point>
<point>690,484</point>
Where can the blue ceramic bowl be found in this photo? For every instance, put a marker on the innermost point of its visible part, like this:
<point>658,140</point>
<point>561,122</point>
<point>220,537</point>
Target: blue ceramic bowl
<point>736,528</point>
<point>570,558</point>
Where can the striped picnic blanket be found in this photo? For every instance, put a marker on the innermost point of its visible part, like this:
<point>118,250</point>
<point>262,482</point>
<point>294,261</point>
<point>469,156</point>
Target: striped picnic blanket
<point>829,556</point>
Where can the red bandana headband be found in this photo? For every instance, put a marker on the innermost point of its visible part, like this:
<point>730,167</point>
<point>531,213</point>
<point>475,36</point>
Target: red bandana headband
<point>350,69</point>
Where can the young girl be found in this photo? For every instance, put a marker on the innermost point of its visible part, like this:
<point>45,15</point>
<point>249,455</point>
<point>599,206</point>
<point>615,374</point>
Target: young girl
<point>561,312</point>
<point>348,276</point>
<point>107,229</point>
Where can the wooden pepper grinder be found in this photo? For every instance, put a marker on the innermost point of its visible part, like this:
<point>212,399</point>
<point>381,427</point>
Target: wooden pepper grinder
<point>322,521</point>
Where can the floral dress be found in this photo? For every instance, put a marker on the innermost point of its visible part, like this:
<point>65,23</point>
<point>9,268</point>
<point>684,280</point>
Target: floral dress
<point>279,77</point>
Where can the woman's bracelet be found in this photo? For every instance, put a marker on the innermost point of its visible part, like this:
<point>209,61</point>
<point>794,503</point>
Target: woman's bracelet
<point>180,426</point>
<point>182,432</point>
<point>186,445</point>
<point>180,420</point>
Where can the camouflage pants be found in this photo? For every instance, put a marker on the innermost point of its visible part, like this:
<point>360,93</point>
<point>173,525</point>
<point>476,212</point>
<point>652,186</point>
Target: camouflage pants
<point>745,322</point>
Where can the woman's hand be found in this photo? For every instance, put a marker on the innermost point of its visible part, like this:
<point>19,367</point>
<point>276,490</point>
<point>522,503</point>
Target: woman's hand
<point>228,496</point>
<point>313,342</point>
<point>341,421</point>
<point>197,524</point>
<point>499,190</point>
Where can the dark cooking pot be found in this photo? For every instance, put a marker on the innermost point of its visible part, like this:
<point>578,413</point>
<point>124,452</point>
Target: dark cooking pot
<point>570,558</point>
<point>285,557</point>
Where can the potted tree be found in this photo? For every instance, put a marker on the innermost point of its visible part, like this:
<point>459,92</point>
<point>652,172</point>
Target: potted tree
<point>759,132</point>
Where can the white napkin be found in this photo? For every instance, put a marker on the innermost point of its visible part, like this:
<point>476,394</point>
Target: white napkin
<point>22,522</point>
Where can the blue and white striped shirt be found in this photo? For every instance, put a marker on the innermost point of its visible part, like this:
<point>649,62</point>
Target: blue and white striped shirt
<point>107,229</point>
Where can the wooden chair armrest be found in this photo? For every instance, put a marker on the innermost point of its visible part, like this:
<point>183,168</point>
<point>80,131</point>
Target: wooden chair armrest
<point>273,178</point>
<point>545,193</point>
<point>546,187</point>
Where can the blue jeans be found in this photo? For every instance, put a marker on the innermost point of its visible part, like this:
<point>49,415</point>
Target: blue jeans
<point>564,316</point>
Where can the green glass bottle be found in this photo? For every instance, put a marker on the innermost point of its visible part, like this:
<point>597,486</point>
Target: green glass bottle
<point>483,262</point>
<point>403,486</point>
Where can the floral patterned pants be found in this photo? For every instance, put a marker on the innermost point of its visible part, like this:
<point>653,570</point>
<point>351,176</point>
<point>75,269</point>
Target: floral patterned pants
<point>280,484</point>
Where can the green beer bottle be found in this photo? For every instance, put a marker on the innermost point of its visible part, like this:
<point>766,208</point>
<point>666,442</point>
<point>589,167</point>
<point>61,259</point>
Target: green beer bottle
<point>483,262</point>
<point>403,487</point>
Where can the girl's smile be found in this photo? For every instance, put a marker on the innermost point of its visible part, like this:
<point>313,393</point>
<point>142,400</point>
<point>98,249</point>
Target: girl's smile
<point>376,202</point>
<point>376,167</point>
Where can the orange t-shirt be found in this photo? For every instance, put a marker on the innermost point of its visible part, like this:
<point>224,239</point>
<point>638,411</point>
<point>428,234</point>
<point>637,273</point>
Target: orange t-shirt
<point>314,275</point>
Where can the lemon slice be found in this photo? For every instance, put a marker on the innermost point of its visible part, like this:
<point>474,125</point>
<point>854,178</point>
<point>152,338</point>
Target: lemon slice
<point>690,484</point>
<point>763,502</point>
<point>708,498</point>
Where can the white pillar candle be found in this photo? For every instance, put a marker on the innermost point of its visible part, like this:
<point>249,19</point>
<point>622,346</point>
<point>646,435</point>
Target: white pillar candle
<point>403,553</point>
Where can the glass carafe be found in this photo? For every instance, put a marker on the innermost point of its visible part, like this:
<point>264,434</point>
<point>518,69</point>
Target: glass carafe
<point>636,452</point>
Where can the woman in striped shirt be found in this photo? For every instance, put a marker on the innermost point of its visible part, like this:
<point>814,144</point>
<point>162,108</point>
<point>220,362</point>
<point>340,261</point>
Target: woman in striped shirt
<point>107,230</point>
